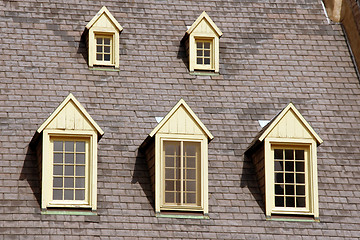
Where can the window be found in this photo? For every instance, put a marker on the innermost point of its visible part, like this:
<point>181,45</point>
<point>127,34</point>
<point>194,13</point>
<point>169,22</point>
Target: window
<point>182,164</point>
<point>104,50</point>
<point>285,158</point>
<point>177,155</point>
<point>103,40</point>
<point>69,157</point>
<point>203,44</point>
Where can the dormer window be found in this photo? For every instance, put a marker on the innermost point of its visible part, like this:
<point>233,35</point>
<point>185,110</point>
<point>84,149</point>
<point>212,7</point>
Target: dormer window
<point>103,40</point>
<point>203,44</point>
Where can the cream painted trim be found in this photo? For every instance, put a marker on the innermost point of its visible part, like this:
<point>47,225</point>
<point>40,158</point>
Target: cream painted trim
<point>47,169</point>
<point>208,19</point>
<point>172,111</point>
<point>110,16</point>
<point>281,115</point>
<point>311,170</point>
<point>70,97</point>
<point>159,173</point>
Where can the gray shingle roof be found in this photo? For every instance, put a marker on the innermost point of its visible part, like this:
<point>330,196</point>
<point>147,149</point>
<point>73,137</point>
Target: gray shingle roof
<point>270,54</point>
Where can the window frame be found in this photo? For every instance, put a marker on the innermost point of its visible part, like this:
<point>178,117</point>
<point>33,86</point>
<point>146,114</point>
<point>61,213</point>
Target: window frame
<point>160,178</point>
<point>211,66</point>
<point>311,176</point>
<point>47,170</point>
<point>112,49</point>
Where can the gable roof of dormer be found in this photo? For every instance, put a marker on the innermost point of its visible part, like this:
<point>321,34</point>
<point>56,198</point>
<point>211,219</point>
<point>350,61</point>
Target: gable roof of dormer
<point>289,109</point>
<point>71,102</point>
<point>183,106</point>
<point>105,11</point>
<point>204,17</point>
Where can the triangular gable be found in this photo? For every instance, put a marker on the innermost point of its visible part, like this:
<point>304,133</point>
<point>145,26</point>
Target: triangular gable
<point>289,112</point>
<point>71,102</point>
<point>102,11</point>
<point>182,106</point>
<point>204,17</point>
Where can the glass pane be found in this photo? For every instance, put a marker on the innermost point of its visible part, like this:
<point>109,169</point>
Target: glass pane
<point>289,190</point>
<point>68,194</point>
<point>199,53</point>
<point>169,173</point>
<point>207,53</point>
<point>69,183</point>
<point>279,177</point>
<point>207,61</point>
<point>190,186</point>
<point>69,170</point>
<point>278,154</point>
<point>177,186</point>
<point>199,61</point>
<point>289,166</point>
<point>299,154</point>
<point>80,146</point>
<point>99,49</point>
<point>199,44</point>
<point>80,158</point>
<point>106,57</point>
<point>80,194</point>
<point>99,40</point>
<point>279,189</point>
<point>169,161</point>
<point>80,170</point>
<point>58,146</point>
<point>107,49</point>
<point>58,170</point>
<point>289,154</point>
<point>279,201</point>
<point>289,177</point>
<point>178,197</point>
<point>290,202</point>
<point>190,174</point>
<point>169,197</point>
<point>300,190</point>
<point>300,167</point>
<point>191,162</point>
<point>69,146</point>
<point>57,194</point>
<point>58,157</point>
<point>58,182</point>
<point>69,158</point>
<point>300,202</point>
<point>300,178</point>
<point>190,149</point>
<point>279,166</point>
<point>107,41</point>
<point>169,185</point>
<point>99,57</point>
<point>206,45</point>
<point>190,198</point>
<point>80,182</point>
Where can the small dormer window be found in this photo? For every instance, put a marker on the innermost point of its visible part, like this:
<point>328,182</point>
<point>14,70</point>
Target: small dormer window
<point>203,44</point>
<point>103,40</point>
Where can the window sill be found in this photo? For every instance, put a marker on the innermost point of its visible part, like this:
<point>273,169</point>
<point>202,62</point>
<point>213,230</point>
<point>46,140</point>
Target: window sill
<point>110,69</point>
<point>76,212</point>
<point>204,73</point>
<point>186,215</point>
<point>292,218</point>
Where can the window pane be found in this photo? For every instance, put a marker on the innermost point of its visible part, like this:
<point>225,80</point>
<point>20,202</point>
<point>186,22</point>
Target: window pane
<point>300,190</point>
<point>80,146</point>
<point>289,166</point>
<point>279,189</point>
<point>58,170</point>
<point>190,149</point>
<point>80,158</point>
<point>58,157</point>
<point>206,61</point>
<point>107,41</point>
<point>169,173</point>
<point>300,166</point>
<point>106,57</point>
<point>300,201</point>
<point>279,201</point>
<point>69,182</point>
<point>177,186</point>
<point>289,154</point>
<point>99,40</point>
<point>289,177</point>
<point>57,194</point>
<point>99,57</point>
<point>190,186</point>
<point>169,185</point>
<point>199,45</point>
<point>80,182</point>
<point>58,182</point>
<point>207,53</point>
<point>107,49</point>
<point>80,194</point>
<point>279,166</point>
<point>278,154</point>
<point>169,161</point>
<point>169,197</point>
<point>191,162</point>
<point>191,174</point>
<point>80,170</point>
<point>206,45</point>
<point>69,146</point>
<point>68,194</point>
<point>190,198</point>
<point>199,53</point>
<point>289,190</point>
<point>69,170</point>
<point>69,158</point>
<point>99,49</point>
<point>199,61</point>
<point>300,178</point>
<point>58,146</point>
<point>279,177</point>
<point>290,202</point>
<point>299,154</point>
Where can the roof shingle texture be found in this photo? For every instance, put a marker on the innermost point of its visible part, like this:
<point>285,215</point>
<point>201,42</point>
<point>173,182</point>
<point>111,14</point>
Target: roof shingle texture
<point>270,54</point>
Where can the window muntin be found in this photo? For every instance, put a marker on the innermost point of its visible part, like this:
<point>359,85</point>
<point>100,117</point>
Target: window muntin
<point>70,170</point>
<point>104,49</point>
<point>182,164</point>
<point>291,177</point>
